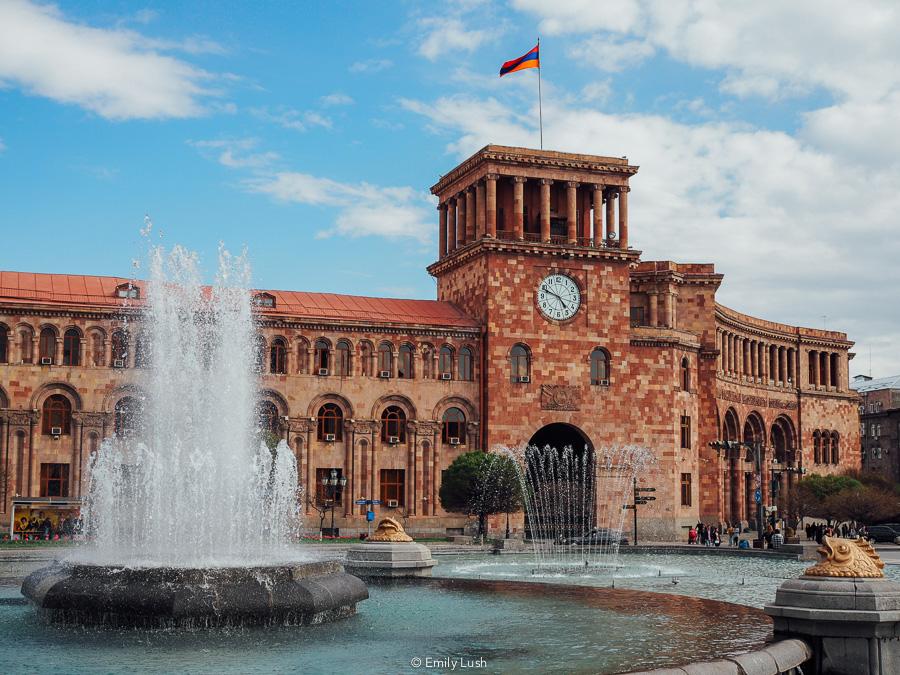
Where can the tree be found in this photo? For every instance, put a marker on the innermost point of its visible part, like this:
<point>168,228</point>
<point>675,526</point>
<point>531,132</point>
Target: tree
<point>817,495</point>
<point>481,484</point>
<point>863,505</point>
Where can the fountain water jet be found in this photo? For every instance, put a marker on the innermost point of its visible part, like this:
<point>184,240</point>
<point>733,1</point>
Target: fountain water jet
<point>190,514</point>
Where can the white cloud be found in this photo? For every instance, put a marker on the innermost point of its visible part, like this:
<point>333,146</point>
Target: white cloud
<point>611,55</point>
<point>443,35</point>
<point>797,231</point>
<point>363,209</point>
<point>597,92</point>
<point>335,99</point>
<point>236,153</point>
<point>297,120</point>
<point>371,66</point>
<point>115,73</point>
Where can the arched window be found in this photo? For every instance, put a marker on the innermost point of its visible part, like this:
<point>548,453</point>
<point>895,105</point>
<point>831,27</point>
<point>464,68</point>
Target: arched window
<point>835,448</point>
<point>685,374</point>
<point>330,423</point>
<point>127,417</point>
<point>267,417</point>
<point>445,362</point>
<point>405,362</point>
<point>393,425</point>
<point>4,344</point>
<point>119,349</point>
<point>519,364</point>
<point>817,448</point>
<point>278,356</point>
<point>599,367</point>
<point>57,416</point>
<point>454,427</point>
<point>344,365</point>
<point>826,448</point>
<point>464,365</point>
<point>47,345</point>
<point>26,344</point>
<point>322,357</point>
<point>72,348</point>
<point>365,359</point>
<point>385,359</point>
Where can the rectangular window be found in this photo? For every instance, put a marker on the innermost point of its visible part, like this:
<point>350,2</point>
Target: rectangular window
<point>393,484</point>
<point>54,480</point>
<point>685,489</point>
<point>685,432</point>
<point>637,316</point>
<point>325,494</point>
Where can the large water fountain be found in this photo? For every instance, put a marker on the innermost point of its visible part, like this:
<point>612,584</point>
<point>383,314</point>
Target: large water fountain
<point>190,513</point>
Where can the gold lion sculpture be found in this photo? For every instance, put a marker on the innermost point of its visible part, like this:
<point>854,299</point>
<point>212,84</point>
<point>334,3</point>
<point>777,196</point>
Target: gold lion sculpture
<point>389,530</point>
<point>846,558</point>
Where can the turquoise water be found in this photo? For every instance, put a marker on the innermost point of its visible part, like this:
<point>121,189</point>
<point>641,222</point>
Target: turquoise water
<point>745,580</point>
<point>487,626</point>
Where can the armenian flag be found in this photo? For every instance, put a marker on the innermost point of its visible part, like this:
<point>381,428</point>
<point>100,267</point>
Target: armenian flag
<point>530,60</point>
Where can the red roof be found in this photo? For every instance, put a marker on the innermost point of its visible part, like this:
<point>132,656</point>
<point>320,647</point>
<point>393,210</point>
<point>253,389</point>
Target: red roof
<point>28,287</point>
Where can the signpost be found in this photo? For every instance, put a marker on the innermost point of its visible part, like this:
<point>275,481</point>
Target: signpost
<point>370,514</point>
<point>640,499</point>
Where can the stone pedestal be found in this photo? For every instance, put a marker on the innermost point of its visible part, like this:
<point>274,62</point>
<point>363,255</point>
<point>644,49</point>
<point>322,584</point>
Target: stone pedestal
<point>389,559</point>
<point>851,623</point>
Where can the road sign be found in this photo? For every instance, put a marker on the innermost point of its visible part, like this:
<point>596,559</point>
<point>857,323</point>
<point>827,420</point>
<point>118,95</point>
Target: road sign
<point>375,501</point>
<point>370,516</point>
<point>645,489</point>
<point>361,502</point>
<point>758,496</point>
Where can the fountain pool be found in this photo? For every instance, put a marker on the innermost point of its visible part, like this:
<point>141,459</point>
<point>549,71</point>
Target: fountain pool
<point>514,627</point>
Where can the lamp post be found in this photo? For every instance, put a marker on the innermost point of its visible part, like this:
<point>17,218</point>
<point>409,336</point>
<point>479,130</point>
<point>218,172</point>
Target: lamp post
<point>333,487</point>
<point>777,470</point>
<point>756,448</point>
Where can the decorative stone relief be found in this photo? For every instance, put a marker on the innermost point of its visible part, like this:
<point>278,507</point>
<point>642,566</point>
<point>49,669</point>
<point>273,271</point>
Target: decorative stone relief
<point>560,397</point>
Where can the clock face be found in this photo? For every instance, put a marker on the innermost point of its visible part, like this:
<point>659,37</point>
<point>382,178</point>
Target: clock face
<point>558,297</point>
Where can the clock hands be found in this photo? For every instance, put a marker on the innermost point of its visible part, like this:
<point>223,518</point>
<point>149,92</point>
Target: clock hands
<point>558,297</point>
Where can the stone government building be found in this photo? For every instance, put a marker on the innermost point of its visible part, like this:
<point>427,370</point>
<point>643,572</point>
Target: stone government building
<point>548,328</point>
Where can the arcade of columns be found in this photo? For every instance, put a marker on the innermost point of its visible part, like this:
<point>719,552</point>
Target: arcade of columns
<point>472,214</point>
<point>757,361</point>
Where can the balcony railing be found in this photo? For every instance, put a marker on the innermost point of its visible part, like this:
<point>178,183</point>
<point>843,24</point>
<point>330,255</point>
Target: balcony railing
<point>558,239</point>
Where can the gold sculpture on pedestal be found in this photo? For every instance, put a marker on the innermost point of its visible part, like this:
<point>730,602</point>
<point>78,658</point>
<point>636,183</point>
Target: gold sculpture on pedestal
<point>389,530</point>
<point>846,558</point>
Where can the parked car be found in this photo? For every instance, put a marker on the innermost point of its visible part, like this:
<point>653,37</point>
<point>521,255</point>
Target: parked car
<point>882,533</point>
<point>600,536</point>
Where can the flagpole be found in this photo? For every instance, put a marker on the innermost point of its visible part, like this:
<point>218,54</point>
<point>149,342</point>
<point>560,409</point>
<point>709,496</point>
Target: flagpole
<point>540,103</point>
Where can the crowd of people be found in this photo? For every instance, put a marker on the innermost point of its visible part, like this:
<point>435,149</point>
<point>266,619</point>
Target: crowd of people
<point>845,531</point>
<point>773,535</point>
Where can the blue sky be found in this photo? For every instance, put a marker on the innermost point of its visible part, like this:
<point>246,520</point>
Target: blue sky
<point>310,133</point>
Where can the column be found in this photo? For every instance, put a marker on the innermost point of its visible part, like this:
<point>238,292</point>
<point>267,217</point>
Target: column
<point>572,212</point>
<point>107,352</point>
<point>58,352</point>
<point>435,475</point>
<point>826,375</point>
<point>545,209</point>
<point>442,230</point>
<point>754,359</point>
<point>347,497</point>
<point>814,368</point>
<point>782,366</point>
<point>479,209</point>
<point>586,217</point>
<point>82,351</point>
<point>667,309</point>
<point>654,309</point>
<point>610,214</point>
<point>490,204</point>
<point>519,207</point>
<point>470,214</point>
<point>623,216</point>
<point>451,230</point>
<point>598,214</point>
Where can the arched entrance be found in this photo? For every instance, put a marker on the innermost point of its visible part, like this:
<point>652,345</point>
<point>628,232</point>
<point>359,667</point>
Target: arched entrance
<point>561,476</point>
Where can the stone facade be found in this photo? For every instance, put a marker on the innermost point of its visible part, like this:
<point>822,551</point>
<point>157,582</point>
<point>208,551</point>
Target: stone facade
<point>648,358</point>
<point>879,424</point>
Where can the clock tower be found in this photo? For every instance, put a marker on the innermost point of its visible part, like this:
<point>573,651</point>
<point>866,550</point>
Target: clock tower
<point>534,245</point>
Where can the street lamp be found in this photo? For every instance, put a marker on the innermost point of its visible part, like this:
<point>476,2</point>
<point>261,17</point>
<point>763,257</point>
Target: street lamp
<point>756,448</point>
<point>333,487</point>
<point>777,470</point>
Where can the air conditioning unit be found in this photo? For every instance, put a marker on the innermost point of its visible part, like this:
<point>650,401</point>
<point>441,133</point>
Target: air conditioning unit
<point>46,361</point>
<point>56,431</point>
<point>118,363</point>
<point>604,383</point>
<point>454,440</point>
<point>392,503</point>
<point>385,374</point>
<point>393,440</point>
<point>446,376</point>
<point>323,371</point>
<point>329,438</point>
<point>524,379</point>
